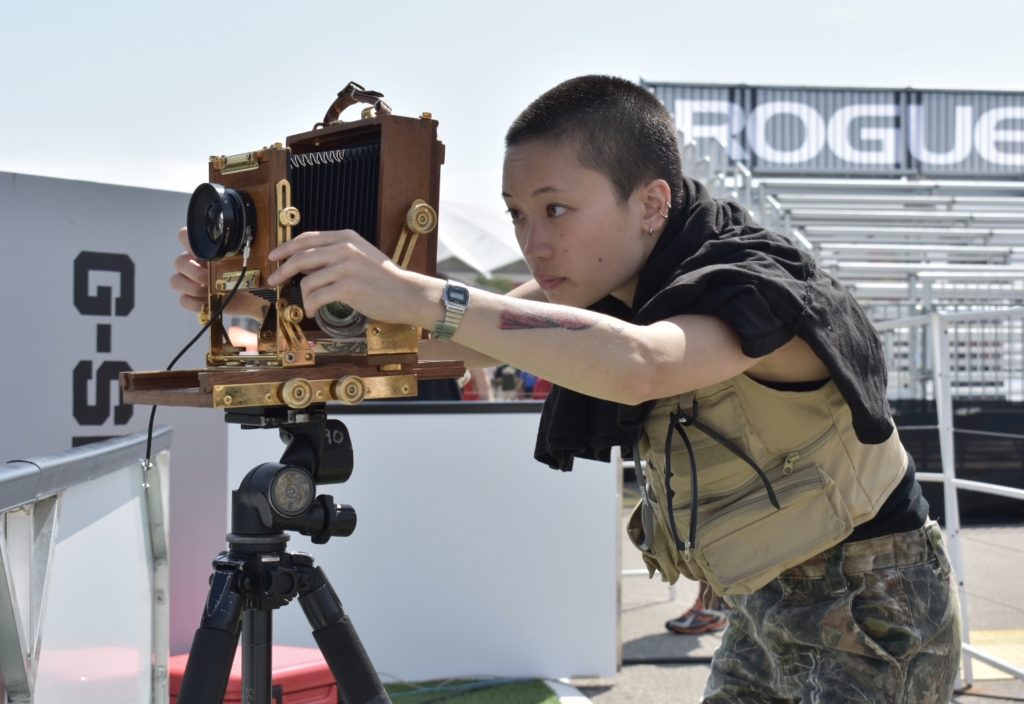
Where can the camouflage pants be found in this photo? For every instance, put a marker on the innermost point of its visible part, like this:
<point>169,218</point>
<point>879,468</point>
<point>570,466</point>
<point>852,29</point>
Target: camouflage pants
<point>875,622</point>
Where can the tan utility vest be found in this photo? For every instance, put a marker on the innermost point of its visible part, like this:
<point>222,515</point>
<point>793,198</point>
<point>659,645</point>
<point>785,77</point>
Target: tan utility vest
<point>825,480</point>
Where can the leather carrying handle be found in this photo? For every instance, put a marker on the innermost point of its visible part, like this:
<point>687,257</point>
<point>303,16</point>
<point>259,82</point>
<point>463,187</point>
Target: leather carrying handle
<point>350,95</point>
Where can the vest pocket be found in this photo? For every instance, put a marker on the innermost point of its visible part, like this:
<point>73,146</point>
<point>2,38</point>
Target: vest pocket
<point>653,543</point>
<point>747,543</point>
<point>721,471</point>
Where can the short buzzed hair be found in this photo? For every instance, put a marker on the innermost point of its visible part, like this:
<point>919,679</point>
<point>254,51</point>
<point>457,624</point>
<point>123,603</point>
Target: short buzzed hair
<point>617,127</point>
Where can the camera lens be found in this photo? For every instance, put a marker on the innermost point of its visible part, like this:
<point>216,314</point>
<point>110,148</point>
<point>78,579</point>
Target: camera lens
<point>220,220</point>
<point>339,320</point>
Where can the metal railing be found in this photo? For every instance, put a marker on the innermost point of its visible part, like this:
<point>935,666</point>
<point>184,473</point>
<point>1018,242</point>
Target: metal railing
<point>65,538</point>
<point>910,272</point>
<point>985,355</point>
<point>949,359</point>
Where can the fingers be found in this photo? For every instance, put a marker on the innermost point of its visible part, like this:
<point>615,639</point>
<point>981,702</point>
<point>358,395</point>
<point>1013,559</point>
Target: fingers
<point>191,280</point>
<point>339,266</point>
<point>188,286</point>
<point>312,251</point>
<point>324,286</point>
<point>304,262</point>
<point>191,303</point>
<point>190,277</point>
<point>189,268</point>
<point>186,265</point>
<point>309,240</point>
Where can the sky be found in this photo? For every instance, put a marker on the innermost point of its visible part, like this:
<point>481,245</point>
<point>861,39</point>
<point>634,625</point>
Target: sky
<point>142,93</point>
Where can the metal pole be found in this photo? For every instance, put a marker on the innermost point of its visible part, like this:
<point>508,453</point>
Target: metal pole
<point>944,413</point>
<point>153,478</point>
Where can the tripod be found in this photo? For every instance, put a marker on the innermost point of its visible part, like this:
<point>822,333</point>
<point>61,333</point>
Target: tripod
<point>256,575</point>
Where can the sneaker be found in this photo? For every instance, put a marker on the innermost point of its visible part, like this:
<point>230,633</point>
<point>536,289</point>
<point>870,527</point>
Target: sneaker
<point>697,621</point>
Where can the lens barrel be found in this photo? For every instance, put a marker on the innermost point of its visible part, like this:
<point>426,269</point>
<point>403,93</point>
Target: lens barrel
<point>220,220</point>
<point>340,321</point>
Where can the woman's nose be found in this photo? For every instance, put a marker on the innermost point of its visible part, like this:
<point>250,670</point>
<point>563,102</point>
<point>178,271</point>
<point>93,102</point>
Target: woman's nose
<point>535,244</point>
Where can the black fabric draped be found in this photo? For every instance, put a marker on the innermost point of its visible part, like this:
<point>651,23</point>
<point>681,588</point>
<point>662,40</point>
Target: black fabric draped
<point>712,259</point>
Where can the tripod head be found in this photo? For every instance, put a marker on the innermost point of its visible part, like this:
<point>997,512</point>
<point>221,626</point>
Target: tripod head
<point>256,574</point>
<point>278,496</point>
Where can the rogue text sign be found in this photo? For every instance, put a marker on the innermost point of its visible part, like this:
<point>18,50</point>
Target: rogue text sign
<point>852,131</point>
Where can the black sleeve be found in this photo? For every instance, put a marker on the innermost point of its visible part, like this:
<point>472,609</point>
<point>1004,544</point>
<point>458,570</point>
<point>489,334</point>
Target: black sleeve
<point>762,303</point>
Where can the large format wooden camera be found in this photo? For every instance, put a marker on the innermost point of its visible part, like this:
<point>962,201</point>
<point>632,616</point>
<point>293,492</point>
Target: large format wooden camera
<point>378,175</point>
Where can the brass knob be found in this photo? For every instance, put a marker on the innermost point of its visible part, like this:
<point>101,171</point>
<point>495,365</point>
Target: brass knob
<point>293,314</point>
<point>350,390</point>
<point>297,393</point>
<point>421,218</point>
<point>289,217</point>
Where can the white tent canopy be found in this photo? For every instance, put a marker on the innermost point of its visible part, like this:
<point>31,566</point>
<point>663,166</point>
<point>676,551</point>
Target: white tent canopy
<point>478,236</point>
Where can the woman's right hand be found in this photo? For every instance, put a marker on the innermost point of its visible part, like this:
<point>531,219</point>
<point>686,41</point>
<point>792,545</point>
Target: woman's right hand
<point>190,276</point>
<point>191,280</point>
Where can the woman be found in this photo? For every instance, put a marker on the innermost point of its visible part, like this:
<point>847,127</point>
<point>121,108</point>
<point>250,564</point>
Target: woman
<point>749,380</point>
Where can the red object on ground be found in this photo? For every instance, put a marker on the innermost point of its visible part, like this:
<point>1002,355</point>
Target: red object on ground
<point>541,389</point>
<point>469,392</point>
<point>301,673</point>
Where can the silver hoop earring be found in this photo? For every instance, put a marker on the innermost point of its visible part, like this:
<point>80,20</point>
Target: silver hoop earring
<point>650,231</point>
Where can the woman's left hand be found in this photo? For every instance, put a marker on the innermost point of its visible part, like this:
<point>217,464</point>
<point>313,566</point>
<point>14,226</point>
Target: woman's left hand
<point>342,266</point>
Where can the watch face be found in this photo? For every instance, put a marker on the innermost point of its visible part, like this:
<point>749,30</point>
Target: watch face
<point>457,295</point>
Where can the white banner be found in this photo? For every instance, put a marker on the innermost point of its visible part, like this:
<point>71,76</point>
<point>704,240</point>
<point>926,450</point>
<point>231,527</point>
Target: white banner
<point>86,274</point>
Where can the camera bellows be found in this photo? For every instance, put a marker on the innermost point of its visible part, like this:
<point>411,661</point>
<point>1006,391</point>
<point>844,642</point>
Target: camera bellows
<point>337,189</point>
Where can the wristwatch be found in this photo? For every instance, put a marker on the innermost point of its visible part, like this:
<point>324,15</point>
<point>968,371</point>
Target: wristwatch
<point>455,300</point>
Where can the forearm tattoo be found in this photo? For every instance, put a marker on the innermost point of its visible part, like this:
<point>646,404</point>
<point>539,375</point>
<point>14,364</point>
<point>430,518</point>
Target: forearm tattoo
<point>518,320</point>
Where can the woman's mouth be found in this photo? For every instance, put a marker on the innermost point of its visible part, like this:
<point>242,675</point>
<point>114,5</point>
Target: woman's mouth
<point>551,282</point>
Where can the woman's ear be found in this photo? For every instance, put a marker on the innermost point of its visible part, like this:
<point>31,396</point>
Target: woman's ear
<point>656,198</point>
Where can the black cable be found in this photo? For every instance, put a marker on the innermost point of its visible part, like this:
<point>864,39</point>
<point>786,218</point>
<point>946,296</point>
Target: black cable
<point>213,318</point>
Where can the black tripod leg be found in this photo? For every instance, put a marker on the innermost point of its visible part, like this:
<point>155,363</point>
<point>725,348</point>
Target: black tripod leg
<point>213,649</point>
<point>334,633</point>
<point>256,656</point>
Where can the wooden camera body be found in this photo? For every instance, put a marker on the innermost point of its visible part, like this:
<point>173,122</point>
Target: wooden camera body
<point>379,176</point>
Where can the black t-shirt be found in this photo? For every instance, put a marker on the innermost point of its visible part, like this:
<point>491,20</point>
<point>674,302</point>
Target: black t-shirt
<point>712,259</point>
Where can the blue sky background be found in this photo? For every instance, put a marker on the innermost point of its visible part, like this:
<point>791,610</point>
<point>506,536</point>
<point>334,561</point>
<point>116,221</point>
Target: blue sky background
<point>142,93</point>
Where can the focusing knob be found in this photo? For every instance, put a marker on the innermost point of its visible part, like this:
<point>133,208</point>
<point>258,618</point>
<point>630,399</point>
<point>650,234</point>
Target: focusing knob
<point>350,390</point>
<point>289,217</point>
<point>297,393</point>
<point>421,218</point>
<point>293,314</point>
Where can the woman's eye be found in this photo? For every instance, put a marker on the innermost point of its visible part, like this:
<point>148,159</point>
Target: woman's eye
<point>556,210</point>
<point>514,214</point>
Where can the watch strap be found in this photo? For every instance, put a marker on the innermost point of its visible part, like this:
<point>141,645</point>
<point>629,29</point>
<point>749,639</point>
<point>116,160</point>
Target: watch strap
<point>454,299</point>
